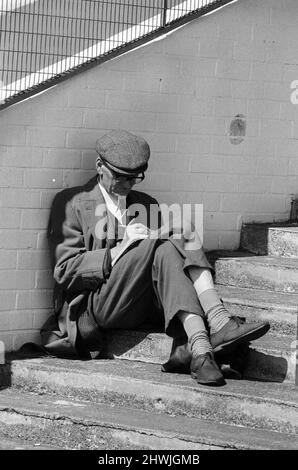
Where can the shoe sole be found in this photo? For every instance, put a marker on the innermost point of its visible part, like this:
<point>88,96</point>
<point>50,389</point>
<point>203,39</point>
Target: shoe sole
<point>211,382</point>
<point>229,346</point>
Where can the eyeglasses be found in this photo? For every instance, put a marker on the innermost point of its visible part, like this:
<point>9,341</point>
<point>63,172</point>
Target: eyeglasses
<point>119,177</point>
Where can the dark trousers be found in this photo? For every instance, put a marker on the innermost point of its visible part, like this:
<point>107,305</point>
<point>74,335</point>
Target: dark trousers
<point>147,287</point>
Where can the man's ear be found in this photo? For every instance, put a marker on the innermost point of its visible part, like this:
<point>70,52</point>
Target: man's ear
<point>98,165</point>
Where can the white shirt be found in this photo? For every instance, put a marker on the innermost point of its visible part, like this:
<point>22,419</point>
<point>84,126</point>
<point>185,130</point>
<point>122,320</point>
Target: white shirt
<point>115,204</point>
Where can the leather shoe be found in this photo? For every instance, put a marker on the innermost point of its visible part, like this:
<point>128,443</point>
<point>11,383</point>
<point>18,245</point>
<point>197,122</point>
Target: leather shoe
<point>179,361</point>
<point>205,371</point>
<point>235,332</point>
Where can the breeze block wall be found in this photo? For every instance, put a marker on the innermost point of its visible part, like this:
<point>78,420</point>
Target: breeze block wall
<point>213,99</point>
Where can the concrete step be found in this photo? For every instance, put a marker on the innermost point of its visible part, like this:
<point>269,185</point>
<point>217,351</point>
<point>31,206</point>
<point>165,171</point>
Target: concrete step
<point>271,358</point>
<point>279,308</point>
<point>78,424</point>
<point>18,444</point>
<point>240,269</point>
<point>270,239</point>
<point>260,405</point>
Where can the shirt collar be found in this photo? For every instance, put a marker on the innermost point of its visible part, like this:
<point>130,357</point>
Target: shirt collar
<point>115,204</point>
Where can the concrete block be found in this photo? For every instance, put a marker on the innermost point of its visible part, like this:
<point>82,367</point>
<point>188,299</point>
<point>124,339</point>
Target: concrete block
<point>254,184</point>
<point>254,90</point>
<point>88,160</point>
<point>28,157</point>
<point>13,239</point>
<point>217,221</point>
<point>156,182</point>
<point>46,199</point>
<point>192,144</point>
<point>263,109</point>
<point>62,158</point>
<point>8,259</point>
<point>270,72</point>
<point>20,198</point>
<point>221,145</point>
<point>103,79</point>
<point>173,123</point>
<point>76,178</point>
<point>276,92</point>
<point>35,218</point>
<point>233,69</point>
<point>236,164</point>
<point>46,137</point>
<point>14,280</point>
<point>64,117</point>
<point>101,119</point>
<point>161,64</point>
<point>209,164</point>
<point>8,299</point>
<point>275,166</point>
<point>220,183</point>
<point>139,121</point>
<point>228,107</point>
<point>86,98</point>
<point>189,46</point>
<point>284,184</point>
<point>11,177</point>
<point>208,125</point>
<point>84,139</point>
<point>194,106</point>
<point>201,67</point>
<point>290,73</point>
<point>250,51</point>
<point>44,279</point>
<point>178,85</point>
<point>13,135</point>
<point>10,218</point>
<point>259,147</point>
<point>189,182</point>
<point>42,241</point>
<point>216,48</point>
<point>34,299</point>
<point>209,87</point>
<point>37,259</point>
<point>273,128</point>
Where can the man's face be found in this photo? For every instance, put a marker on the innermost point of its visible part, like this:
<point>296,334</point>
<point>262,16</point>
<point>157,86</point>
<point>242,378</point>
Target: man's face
<point>114,182</point>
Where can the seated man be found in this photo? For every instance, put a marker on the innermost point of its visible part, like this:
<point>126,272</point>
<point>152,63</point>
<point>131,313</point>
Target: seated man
<point>118,274</point>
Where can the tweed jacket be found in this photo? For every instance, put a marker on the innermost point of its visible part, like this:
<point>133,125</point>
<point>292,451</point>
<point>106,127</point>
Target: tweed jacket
<point>80,238</point>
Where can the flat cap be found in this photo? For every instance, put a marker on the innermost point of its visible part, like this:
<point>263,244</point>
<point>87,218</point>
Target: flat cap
<point>124,152</point>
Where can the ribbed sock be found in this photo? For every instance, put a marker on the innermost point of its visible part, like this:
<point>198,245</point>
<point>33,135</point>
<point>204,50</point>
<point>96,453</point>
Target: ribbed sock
<point>196,332</point>
<point>217,315</point>
<point>200,344</point>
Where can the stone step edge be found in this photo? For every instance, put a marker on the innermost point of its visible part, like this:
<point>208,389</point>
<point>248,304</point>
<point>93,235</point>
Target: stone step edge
<point>166,428</point>
<point>265,261</point>
<point>240,296</point>
<point>269,405</point>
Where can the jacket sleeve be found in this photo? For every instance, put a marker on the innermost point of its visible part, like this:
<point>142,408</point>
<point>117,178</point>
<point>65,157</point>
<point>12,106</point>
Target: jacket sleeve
<point>76,268</point>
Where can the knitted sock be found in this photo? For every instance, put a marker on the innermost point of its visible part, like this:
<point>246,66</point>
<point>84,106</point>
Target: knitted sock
<point>217,315</point>
<point>196,332</point>
<point>200,344</point>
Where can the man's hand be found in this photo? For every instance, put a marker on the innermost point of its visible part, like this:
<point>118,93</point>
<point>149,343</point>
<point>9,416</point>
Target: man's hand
<point>132,232</point>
